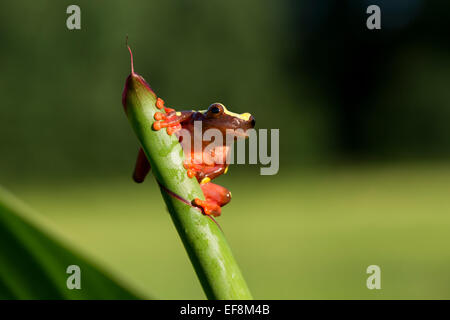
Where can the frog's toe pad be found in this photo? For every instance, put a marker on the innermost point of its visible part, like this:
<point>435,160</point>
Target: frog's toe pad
<point>164,122</point>
<point>160,105</point>
<point>208,207</point>
<point>192,169</point>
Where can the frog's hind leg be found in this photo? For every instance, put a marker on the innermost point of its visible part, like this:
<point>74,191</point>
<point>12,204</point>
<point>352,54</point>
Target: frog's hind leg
<point>205,174</point>
<point>215,198</point>
<point>142,167</point>
<point>209,173</point>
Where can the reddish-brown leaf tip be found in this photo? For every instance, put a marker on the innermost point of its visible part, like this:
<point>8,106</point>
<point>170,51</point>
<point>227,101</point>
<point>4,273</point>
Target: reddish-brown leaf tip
<point>132,77</point>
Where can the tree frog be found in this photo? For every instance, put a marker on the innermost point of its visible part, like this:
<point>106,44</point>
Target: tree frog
<point>215,117</point>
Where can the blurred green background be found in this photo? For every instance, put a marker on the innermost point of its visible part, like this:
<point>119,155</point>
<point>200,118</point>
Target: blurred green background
<point>364,137</point>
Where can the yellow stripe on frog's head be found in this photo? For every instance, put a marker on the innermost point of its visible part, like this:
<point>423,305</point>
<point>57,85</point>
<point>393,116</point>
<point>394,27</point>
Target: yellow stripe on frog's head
<point>244,116</point>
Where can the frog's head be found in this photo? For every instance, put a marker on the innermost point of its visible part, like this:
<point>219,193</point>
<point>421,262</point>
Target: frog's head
<point>218,117</point>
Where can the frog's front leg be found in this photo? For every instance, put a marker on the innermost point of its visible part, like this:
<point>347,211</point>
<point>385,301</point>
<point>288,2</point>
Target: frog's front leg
<point>215,197</point>
<point>171,120</point>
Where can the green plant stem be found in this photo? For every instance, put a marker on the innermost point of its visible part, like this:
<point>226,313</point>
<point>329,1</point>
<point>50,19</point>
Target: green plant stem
<point>203,240</point>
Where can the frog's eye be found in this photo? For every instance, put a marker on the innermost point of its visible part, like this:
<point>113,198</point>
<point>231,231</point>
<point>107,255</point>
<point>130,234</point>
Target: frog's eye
<point>215,109</point>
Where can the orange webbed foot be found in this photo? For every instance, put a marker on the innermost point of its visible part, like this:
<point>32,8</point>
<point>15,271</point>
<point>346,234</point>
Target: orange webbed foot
<point>170,121</point>
<point>208,207</point>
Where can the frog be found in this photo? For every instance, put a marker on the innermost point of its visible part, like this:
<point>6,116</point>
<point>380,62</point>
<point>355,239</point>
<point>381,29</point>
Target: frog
<point>213,161</point>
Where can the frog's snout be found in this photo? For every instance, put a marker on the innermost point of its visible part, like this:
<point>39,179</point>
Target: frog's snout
<point>248,124</point>
<point>252,121</point>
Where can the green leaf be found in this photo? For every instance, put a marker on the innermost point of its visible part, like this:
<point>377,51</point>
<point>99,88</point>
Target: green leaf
<point>33,261</point>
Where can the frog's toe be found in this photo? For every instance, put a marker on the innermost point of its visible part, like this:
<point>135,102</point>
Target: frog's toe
<point>160,105</point>
<point>164,121</point>
<point>208,207</point>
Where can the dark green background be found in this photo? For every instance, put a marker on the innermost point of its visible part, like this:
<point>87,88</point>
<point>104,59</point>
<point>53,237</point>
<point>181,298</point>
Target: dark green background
<point>364,136</point>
